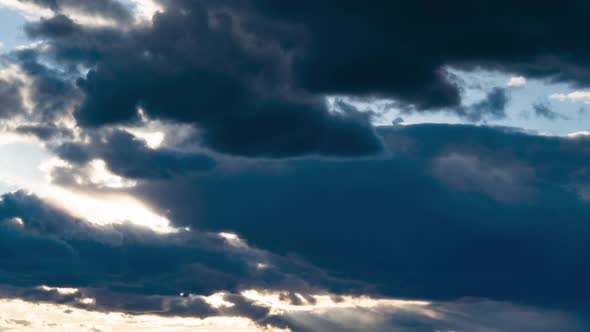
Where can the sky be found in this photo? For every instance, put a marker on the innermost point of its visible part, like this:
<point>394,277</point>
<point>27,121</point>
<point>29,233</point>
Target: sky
<point>303,166</point>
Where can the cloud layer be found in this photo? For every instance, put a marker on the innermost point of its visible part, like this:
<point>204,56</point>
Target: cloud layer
<point>275,184</point>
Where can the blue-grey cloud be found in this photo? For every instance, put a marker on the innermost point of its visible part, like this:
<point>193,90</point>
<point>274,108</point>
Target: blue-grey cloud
<point>130,157</point>
<point>233,93</point>
<point>544,111</point>
<point>455,211</point>
<point>493,107</point>
<point>11,102</point>
<point>131,269</point>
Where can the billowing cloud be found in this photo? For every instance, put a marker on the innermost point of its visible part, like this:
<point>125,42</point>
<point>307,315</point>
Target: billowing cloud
<point>122,269</point>
<point>266,196</point>
<point>516,81</point>
<point>473,214</point>
<point>126,268</point>
<point>576,96</point>
<point>257,87</point>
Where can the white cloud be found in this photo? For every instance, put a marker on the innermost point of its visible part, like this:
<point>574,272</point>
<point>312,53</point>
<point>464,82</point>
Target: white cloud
<point>516,81</point>
<point>578,134</point>
<point>145,9</point>
<point>574,97</point>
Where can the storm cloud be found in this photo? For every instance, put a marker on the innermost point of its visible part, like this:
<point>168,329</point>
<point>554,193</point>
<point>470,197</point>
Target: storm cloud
<point>267,161</point>
<point>486,212</point>
<point>252,75</point>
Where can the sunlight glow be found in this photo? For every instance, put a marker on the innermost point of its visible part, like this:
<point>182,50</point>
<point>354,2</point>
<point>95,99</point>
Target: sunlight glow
<point>216,301</point>
<point>63,291</point>
<point>578,134</point>
<point>152,139</point>
<point>273,301</point>
<point>233,239</point>
<point>107,209</point>
<point>18,315</point>
<point>102,177</point>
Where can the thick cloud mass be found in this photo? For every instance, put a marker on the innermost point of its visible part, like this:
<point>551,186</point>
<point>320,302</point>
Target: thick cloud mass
<point>201,70</point>
<point>11,102</point>
<point>435,212</point>
<point>129,269</point>
<point>132,269</point>
<point>485,212</point>
<point>252,75</point>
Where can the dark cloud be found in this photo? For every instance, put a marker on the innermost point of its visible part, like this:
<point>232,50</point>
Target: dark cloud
<point>493,107</point>
<point>130,268</point>
<point>543,110</point>
<point>51,90</point>
<point>431,212</point>
<point>397,49</point>
<point>235,93</point>
<point>130,157</point>
<point>483,212</point>
<point>257,87</point>
<point>11,101</point>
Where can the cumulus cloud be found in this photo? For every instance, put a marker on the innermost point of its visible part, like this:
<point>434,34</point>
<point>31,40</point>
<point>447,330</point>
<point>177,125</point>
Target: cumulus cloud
<point>11,102</point>
<point>436,213</point>
<point>123,269</point>
<point>127,268</point>
<point>579,96</point>
<point>256,93</point>
<point>516,81</point>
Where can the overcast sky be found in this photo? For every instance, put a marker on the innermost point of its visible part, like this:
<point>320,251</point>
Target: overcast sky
<point>326,165</point>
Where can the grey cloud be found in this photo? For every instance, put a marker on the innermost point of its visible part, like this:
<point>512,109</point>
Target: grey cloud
<point>488,220</point>
<point>130,157</point>
<point>493,107</point>
<point>129,258</point>
<point>11,102</point>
